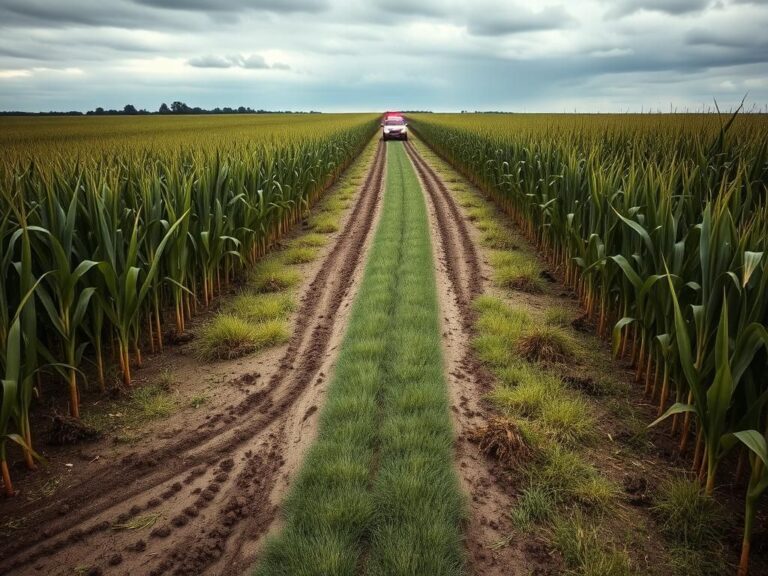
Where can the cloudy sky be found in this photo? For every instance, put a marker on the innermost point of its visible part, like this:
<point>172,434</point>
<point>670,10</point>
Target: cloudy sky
<point>338,55</point>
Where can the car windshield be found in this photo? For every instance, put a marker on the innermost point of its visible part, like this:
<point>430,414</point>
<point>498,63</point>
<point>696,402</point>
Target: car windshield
<point>394,122</point>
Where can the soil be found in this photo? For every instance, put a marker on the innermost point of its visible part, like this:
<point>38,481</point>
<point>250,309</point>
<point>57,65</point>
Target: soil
<point>199,497</point>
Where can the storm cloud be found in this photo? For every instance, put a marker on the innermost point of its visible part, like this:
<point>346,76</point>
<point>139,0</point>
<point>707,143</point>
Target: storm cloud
<point>331,55</point>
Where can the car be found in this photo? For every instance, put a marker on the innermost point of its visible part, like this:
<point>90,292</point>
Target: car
<point>394,128</point>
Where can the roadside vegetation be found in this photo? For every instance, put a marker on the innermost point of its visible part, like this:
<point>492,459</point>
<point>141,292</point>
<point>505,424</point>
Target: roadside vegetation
<point>377,493</point>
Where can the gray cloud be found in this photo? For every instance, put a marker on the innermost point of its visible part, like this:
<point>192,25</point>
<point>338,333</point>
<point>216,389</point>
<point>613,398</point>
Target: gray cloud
<point>675,7</point>
<point>252,62</point>
<point>78,12</point>
<point>238,5</point>
<point>486,23</point>
<point>210,62</point>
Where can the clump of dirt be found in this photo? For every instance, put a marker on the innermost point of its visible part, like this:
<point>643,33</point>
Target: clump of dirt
<point>548,276</point>
<point>585,384</point>
<point>543,346</point>
<point>636,488</point>
<point>66,431</point>
<point>174,337</point>
<point>583,324</point>
<point>501,439</point>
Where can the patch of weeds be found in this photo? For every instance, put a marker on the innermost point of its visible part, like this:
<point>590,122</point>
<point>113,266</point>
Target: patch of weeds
<point>546,344</point>
<point>492,350</point>
<point>595,493</point>
<point>467,199</point>
<point>535,506</point>
<point>152,401</point>
<point>498,238</point>
<point>568,419</point>
<point>585,551</point>
<point>516,271</point>
<point>564,417</point>
<point>166,380</point>
<point>334,205</point>
<point>324,223</point>
<point>687,515</point>
<point>563,472</point>
<point>479,213</point>
<point>525,399</point>
<point>298,255</point>
<point>311,240</point>
<point>558,316</point>
<point>260,307</point>
<point>685,561</point>
<point>269,275</point>
<point>229,336</point>
<point>198,400</point>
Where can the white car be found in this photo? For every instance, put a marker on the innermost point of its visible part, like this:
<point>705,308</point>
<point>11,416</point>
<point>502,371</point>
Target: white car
<point>394,128</point>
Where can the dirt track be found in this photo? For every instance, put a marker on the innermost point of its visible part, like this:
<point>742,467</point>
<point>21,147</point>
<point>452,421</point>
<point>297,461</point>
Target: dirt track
<point>214,489</point>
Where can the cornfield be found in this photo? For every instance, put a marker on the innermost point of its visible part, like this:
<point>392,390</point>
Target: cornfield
<point>107,241</point>
<point>660,224</point>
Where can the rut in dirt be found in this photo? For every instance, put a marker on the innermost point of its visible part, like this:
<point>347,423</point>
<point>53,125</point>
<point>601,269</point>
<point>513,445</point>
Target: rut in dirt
<point>462,260</point>
<point>224,471</point>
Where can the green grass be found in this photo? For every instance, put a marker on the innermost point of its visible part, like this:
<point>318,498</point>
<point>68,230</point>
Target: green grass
<point>324,223</point>
<point>311,240</point>
<point>585,551</point>
<point>377,493</point>
<point>271,275</point>
<point>152,401</point>
<point>516,271</point>
<point>688,516</point>
<point>228,336</point>
<point>558,316</point>
<point>299,255</point>
<point>260,307</point>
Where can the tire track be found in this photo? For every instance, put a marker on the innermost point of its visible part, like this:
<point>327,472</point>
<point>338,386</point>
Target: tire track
<point>225,469</point>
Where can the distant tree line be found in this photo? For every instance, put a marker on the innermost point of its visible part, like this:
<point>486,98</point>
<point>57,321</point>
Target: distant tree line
<point>176,107</point>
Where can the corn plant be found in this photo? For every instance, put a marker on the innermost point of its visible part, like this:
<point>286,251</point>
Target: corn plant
<point>660,224</point>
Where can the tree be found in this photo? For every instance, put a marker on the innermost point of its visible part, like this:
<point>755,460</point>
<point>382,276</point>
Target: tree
<point>164,108</point>
<point>179,108</point>
<point>130,109</point>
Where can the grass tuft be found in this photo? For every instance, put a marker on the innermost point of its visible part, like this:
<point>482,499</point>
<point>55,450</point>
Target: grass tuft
<point>535,506</point>
<point>546,344</point>
<point>260,307</point>
<point>229,336</point>
<point>310,240</point>
<point>269,275</point>
<point>324,223</point>
<point>152,401</point>
<point>298,255</point>
<point>558,316</point>
<point>687,515</point>
<point>585,551</point>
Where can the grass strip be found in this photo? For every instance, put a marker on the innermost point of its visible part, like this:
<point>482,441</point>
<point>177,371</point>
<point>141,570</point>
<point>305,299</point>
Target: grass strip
<point>377,493</point>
